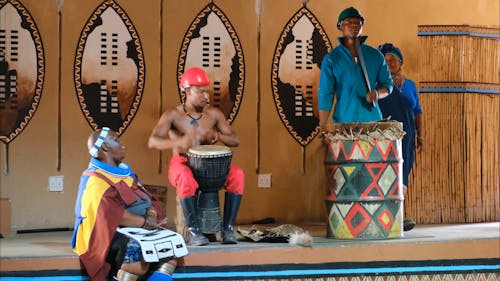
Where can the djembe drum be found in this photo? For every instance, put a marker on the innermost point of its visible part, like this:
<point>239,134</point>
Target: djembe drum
<point>363,164</point>
<point>210,166</point>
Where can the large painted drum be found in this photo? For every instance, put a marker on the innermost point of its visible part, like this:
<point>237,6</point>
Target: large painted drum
<point>363,163</point>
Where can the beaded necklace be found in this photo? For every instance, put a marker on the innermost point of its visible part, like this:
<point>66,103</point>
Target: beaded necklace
<point>398,83</point>
<point>194,121</point>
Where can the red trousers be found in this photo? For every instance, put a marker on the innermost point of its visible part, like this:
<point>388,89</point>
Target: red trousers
<point>181,177</point>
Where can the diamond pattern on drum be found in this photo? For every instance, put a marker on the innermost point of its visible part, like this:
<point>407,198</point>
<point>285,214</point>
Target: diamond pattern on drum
<point>372,208</point>
<point>343,209</point>
<point>335,152</point>
<point>372,190</point>
<point>348,150</point>
<point>396,191</point>
<point>366,220</point>
<point>345,148</point>
<point>387,179</point>
<point>366,175</point>
<point>343,231</point>
<point>372,229</point>
<point>393,210</point>
<point>357,219</point>
<point>331,183</point>
<point>334,221</point>
<point>334,149</point>
<point>397,227</point>
<point>360,150</point>
<point>386,220</point>
<point>354,180</point>
<point>337,222</point>
<point>386,149</point>
<point>339,180</point>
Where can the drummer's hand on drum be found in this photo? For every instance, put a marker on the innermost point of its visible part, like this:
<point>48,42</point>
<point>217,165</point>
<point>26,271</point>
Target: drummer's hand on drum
<point>181,142</point>
<point>187,141</point>
<point>213,136</point>
<point>207,136</point>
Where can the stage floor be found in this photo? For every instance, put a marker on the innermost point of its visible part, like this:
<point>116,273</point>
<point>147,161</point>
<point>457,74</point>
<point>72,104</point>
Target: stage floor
<point>57,244</point>
<point>425,245</point>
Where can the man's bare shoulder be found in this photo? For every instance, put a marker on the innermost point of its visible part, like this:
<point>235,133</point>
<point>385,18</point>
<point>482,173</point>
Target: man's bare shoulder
<point>213,110</point>
<point>172,111</point>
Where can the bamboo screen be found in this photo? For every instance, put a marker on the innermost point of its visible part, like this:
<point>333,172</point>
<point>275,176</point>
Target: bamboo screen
<point>456,177</point>
<point>459,54</point>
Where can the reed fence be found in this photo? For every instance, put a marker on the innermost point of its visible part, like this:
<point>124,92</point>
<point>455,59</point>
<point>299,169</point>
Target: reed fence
<point>456,177</point>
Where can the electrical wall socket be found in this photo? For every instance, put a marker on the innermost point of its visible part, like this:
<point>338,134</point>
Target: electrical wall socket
<point>56,183</point>
<point>264,181</point>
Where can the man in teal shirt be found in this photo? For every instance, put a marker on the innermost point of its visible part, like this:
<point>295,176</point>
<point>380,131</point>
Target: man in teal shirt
<point>342,76</point>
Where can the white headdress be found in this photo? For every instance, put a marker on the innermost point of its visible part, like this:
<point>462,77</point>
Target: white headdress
<point>98,143</point>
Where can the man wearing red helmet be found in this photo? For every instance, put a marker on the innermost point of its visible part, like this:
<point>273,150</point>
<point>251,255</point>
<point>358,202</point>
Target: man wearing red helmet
<point>189,124</point>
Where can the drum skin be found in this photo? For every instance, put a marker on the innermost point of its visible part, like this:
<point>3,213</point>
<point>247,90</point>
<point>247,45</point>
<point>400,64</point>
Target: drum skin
<point>364,185</point>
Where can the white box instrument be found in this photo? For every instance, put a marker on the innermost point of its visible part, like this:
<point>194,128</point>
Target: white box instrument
<point>158,243</point>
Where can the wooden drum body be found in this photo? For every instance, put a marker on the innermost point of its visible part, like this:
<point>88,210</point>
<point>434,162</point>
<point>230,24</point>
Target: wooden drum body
<point>363,163</point>
<point>210,166</point>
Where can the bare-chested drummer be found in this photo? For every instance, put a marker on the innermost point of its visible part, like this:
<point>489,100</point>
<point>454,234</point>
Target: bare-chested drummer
<point>189,124</point>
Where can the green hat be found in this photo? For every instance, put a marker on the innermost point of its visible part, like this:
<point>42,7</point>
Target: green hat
<point>350,12</point>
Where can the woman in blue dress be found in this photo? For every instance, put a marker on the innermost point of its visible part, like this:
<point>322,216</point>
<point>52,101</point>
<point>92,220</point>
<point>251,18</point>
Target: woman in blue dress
<point>403,105</point>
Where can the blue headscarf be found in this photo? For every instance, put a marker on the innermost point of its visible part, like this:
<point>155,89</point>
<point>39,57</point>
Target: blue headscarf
<point>388,48</point>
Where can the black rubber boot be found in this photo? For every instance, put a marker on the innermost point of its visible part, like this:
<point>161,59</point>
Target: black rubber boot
<point>231,207</point>
<point>196,238</point>
<point>408,225</point>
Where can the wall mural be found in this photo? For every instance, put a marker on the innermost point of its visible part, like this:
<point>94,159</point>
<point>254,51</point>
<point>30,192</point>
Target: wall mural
<point>295,74</point>
<point>109,68</point>
<point>22,69</point>
<point>212,44</point>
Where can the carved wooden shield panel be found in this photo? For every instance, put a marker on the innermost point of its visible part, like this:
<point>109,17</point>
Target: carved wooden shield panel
<point>109,68</point>
<point>212,44</point>
<point>295,74</point>
<point>22,69</point>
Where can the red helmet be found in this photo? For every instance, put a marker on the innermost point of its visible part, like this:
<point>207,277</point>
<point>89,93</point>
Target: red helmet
<point>194,77</point>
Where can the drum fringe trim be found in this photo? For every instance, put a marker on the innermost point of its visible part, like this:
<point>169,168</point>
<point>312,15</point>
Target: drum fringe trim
<point>343,134</point>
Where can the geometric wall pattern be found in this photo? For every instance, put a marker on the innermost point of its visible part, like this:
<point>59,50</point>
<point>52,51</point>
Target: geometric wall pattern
<point>389,272</point>
<point>417,277</point>
<point>295,74</point>
<point>211,43</point>
<point>109,68</point>
<point>22,69</point>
